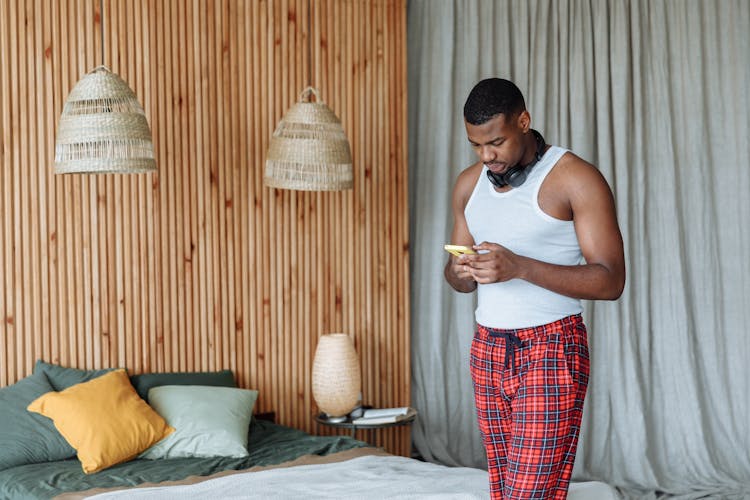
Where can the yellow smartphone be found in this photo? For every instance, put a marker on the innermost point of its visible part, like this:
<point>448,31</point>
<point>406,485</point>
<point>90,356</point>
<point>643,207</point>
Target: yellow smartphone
<point>458,250</point>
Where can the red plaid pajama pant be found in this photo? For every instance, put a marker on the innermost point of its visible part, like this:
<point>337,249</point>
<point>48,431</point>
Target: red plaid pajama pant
<point>529,386</point>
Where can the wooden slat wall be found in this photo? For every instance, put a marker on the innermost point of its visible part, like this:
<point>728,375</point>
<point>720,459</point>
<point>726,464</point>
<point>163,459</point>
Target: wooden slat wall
<point>201,267</point>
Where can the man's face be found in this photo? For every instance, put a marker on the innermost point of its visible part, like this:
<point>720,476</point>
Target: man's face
<point>498,142</point>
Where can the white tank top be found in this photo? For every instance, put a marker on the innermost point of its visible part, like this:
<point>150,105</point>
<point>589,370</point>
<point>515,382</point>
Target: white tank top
<point>514,220</point>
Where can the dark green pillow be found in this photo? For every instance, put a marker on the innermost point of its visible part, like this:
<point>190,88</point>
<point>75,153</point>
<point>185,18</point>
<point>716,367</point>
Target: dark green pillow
<point>62,377</point>
<point>146,381</point>
<point>26,437</point>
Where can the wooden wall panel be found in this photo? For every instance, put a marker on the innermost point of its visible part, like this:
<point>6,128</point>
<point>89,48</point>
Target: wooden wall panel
<point>199,266</point>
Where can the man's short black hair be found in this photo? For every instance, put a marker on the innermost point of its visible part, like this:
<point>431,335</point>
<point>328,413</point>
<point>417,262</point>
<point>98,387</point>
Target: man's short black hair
<point>492,97</point>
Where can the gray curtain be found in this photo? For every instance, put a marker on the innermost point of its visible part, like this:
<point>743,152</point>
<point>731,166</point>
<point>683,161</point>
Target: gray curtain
<point>655,93</point>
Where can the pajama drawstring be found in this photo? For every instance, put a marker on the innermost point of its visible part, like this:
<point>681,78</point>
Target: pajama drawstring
<point>511,343</point>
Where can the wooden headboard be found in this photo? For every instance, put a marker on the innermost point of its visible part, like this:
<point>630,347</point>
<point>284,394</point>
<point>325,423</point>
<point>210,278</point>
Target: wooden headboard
<point>199,266</point>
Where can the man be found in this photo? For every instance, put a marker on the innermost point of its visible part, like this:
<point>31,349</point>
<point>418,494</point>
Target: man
<point>542,223</point>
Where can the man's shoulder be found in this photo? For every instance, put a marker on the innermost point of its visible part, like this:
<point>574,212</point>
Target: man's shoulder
<point>577,177</point>
<point>570,160</point>
<point>467,179</point>
<point>470,174</point>
<point>572,169</point>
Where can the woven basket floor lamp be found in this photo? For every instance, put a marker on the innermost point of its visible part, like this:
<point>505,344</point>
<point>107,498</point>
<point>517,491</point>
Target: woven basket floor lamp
<point>103,128</point>
<point>309,150</point>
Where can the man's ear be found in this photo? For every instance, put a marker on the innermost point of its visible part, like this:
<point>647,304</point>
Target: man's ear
<point>524,121</point>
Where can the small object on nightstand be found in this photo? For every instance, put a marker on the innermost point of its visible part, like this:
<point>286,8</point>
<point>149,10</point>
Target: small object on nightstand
<point>334,420</point>
<point>375,416</point>
<point>358,412</point>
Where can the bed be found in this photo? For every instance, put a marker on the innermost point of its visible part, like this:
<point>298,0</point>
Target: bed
<point>259,459</point>
<point>269,445</point>
<point>362,473</point>
<point>73,434</point>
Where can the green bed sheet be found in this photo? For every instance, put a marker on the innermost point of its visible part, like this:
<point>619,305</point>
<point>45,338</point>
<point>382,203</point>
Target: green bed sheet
<point>269,444</point>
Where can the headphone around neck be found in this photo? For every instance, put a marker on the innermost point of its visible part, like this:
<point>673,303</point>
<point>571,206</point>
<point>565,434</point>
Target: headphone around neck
<point>516,175</point>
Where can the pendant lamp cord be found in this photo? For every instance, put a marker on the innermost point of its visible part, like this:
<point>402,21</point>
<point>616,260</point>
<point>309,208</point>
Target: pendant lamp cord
<point>101,26</point>
<point>309,43</point>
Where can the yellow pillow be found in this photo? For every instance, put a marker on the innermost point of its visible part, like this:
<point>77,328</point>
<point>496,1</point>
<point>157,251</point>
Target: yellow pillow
<point>104,419</point>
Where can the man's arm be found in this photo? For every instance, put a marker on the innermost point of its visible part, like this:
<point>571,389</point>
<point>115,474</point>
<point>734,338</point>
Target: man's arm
<point>593,208</point>
<point>456,273</point>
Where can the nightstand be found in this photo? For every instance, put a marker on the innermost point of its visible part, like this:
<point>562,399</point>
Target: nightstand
<point>321,419</point>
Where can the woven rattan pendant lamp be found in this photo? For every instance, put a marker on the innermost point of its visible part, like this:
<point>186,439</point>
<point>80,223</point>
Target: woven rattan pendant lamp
<point>309,150</point>
<point>103,129</point>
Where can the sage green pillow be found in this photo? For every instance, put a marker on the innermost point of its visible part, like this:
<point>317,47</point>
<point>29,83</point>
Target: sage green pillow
<point>26,437</point>
<point>145,381</point>
<point>62,377</point>
<point>208,421</point>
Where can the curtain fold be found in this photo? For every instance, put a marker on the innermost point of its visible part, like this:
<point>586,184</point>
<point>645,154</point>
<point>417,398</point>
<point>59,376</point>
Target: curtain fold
<point>655,93</point>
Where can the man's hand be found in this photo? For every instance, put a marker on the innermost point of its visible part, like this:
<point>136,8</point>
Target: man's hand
<point>458,273</point>
<point>460,269</point>
<point>492,264</point>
